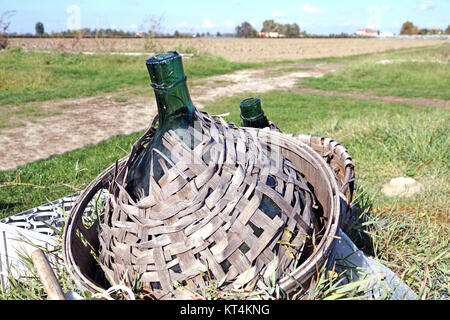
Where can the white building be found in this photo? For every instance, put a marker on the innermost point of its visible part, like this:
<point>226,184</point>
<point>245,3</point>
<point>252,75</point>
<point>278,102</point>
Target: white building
<point>387,34</point>
<point>367,33</point>
<point>271,34</point>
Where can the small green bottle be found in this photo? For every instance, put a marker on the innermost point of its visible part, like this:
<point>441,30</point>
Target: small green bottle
<point>175,112</point>
<point>252,114</point>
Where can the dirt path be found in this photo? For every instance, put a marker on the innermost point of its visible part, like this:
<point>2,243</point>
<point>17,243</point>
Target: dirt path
<point>90,120</point>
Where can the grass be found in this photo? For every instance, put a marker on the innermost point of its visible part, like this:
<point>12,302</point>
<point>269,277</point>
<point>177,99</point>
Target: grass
<point>419,72</point>
<point>32,76</point>
<point>50,179</point>
<point>415,246</point>
<point>386,140</point>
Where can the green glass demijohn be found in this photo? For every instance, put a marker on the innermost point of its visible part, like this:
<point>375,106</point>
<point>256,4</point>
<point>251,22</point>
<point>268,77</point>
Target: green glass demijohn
<point>252,114</point>
<point>198,191</point>
<point>175,112</point>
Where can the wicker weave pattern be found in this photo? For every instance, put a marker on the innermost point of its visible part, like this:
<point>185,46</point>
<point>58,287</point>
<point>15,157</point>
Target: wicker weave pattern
<point>208,214</point>
<point>340,161</point>
<point>81,242</point>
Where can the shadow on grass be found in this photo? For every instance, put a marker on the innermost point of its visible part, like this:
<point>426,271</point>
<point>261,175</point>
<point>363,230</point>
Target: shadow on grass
<point>6,207</point>
<point>362,220</point>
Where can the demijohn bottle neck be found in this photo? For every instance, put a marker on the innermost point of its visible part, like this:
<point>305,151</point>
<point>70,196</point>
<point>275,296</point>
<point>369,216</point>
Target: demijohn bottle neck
<point>175,108</point>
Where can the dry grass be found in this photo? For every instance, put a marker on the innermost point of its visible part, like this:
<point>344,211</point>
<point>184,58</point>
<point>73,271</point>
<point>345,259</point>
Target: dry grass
<point>242,50</point>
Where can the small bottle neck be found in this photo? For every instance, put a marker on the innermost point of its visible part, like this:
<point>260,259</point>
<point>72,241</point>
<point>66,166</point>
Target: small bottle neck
<point>252,114</point>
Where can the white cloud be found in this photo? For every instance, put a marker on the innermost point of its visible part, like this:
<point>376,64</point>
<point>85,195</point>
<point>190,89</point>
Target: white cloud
<point>278,13</point>
<point>346,23</point>
<point>310,9</point>
<point>374,17</point>
<point>426,5</point>
<point>124,27</point>
<point>183,24</point>
<point>207,23</point>
<point>386,7</point>
<point>253,21</point>
<point>228,22</point>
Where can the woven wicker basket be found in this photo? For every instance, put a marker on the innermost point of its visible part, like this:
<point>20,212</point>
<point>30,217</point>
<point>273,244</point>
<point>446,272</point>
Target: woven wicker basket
<point>341,163</point>
<point>81,237</point>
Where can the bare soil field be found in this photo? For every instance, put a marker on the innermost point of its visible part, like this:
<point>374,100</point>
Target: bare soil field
<point>239,50</point>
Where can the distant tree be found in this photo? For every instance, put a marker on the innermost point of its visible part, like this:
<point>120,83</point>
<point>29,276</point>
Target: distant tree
<point>295,30</point>
<point>423,31</point>
<point>269,25</point>
<point>339,35</point>
<point>39,28</point>
<point>176,34</point>
<point>290,30</point>
<point>447,31</point>
<point>409,28</point>
<point>245,30</point>
<point>436,31</point>
<point>272,26</point>
<point>218,34</point>
<point>5,21</point>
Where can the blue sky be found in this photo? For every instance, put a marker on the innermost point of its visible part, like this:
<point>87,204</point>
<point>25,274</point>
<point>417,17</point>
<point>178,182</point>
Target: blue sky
<point>314,16</point>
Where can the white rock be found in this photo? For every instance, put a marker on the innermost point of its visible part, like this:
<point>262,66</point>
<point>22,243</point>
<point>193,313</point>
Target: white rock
<point>401,186</point>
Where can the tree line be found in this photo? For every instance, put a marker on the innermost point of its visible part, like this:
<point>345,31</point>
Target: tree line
<point>244,30</point>
<point>408,28</point>
<point>85,32</point>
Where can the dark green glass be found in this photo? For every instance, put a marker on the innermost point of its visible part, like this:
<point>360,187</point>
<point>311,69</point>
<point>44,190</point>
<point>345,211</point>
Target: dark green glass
<point>252,114</point>
<point>175,112</point>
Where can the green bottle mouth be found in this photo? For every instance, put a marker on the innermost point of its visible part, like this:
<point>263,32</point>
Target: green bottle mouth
<point>163,57</point>
<point>251,108</point>
<point>165,70</point>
